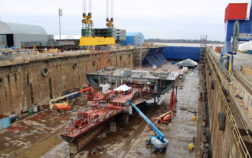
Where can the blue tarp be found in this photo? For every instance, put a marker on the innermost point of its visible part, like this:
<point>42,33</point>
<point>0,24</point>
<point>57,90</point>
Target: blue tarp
<point>154,57</point>
<point>159,56</point>
<point>181,53</point>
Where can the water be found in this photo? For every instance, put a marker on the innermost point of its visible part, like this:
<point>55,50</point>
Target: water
<point>59,151</point>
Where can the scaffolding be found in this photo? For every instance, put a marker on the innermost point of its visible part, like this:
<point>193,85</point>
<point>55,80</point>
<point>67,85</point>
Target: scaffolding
<point>203,46</point>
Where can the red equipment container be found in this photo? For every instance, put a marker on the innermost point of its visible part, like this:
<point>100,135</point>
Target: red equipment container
<point>236,11</point>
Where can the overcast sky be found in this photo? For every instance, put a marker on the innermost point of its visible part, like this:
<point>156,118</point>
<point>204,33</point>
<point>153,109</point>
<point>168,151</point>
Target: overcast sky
<point>170,19</point>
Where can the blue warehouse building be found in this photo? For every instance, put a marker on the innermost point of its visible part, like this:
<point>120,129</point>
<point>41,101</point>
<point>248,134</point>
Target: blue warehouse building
<point>134,38</point>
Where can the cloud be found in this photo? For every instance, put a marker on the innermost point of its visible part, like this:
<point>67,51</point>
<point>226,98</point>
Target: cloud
<point>155,18</point>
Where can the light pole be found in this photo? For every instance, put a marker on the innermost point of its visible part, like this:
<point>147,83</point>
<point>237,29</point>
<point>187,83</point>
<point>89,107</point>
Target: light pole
<point>60,14</point>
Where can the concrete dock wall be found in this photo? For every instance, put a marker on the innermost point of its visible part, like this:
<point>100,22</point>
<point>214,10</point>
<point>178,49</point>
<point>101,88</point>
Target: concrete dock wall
<point>224,142</point>
<point>24,84</point>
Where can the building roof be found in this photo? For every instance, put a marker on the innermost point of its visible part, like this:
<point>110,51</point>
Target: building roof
<point>67,37</point>
<point>12,28</point>
<point>134,34</point>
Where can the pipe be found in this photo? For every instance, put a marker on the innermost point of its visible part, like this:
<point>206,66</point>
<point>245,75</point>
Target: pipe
<point>84,6</point>
<point>112,9</point>
<point>90,6</point>
<point>107,11</point>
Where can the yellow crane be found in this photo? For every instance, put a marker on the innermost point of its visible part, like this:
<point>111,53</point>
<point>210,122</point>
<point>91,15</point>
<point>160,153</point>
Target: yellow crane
<point>88,38</point>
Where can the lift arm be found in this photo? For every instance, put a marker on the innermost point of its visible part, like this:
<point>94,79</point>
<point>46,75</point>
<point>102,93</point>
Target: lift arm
<point>68,95</point>
<point>160,135</point>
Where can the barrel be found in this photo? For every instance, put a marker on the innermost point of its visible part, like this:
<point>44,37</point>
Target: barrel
<point>35,109</point>
<point>30,112</point>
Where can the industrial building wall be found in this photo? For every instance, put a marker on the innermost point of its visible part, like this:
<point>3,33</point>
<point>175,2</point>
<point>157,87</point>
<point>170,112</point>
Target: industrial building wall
<point>30,39</point>
<point>130,40</point>
<point>134,38</point>
<point>23,85</point>
<point>3,42</point>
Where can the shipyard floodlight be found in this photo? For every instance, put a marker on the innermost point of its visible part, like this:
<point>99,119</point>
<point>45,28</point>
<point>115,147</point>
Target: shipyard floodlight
<point>60,14</point>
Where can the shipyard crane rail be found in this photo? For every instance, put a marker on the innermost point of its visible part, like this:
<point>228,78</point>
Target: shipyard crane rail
<point>158,141</point>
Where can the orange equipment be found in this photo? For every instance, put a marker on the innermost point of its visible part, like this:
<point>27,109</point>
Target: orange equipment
<point>61,106</point>
<point>165,118</point>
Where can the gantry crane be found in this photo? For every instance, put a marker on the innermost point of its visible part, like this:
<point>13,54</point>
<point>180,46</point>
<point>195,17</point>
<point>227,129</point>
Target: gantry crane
<point>87,22</point>
<point>238,29</point>
<point>88,38</point>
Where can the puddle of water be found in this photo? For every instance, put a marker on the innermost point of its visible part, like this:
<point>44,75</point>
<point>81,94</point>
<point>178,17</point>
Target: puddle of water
<point>60,151</point>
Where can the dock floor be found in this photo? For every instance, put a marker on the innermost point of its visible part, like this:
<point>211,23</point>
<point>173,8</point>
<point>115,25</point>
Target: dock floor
<point>180,131</point>
<point>35,135</point>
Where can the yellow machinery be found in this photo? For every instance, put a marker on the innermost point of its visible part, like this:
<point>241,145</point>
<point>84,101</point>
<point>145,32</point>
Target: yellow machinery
<point>88,38</point>
<point>109,22</point>
<point>87,19</point>
<point>230,62</point>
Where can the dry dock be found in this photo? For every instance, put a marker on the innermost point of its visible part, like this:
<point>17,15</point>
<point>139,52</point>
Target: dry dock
<point>208,90</point>
<point>130,139</point>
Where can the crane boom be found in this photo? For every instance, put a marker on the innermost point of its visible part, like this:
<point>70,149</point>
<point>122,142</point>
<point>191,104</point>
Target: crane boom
<point>68,95</point>
<point>84,6</point>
